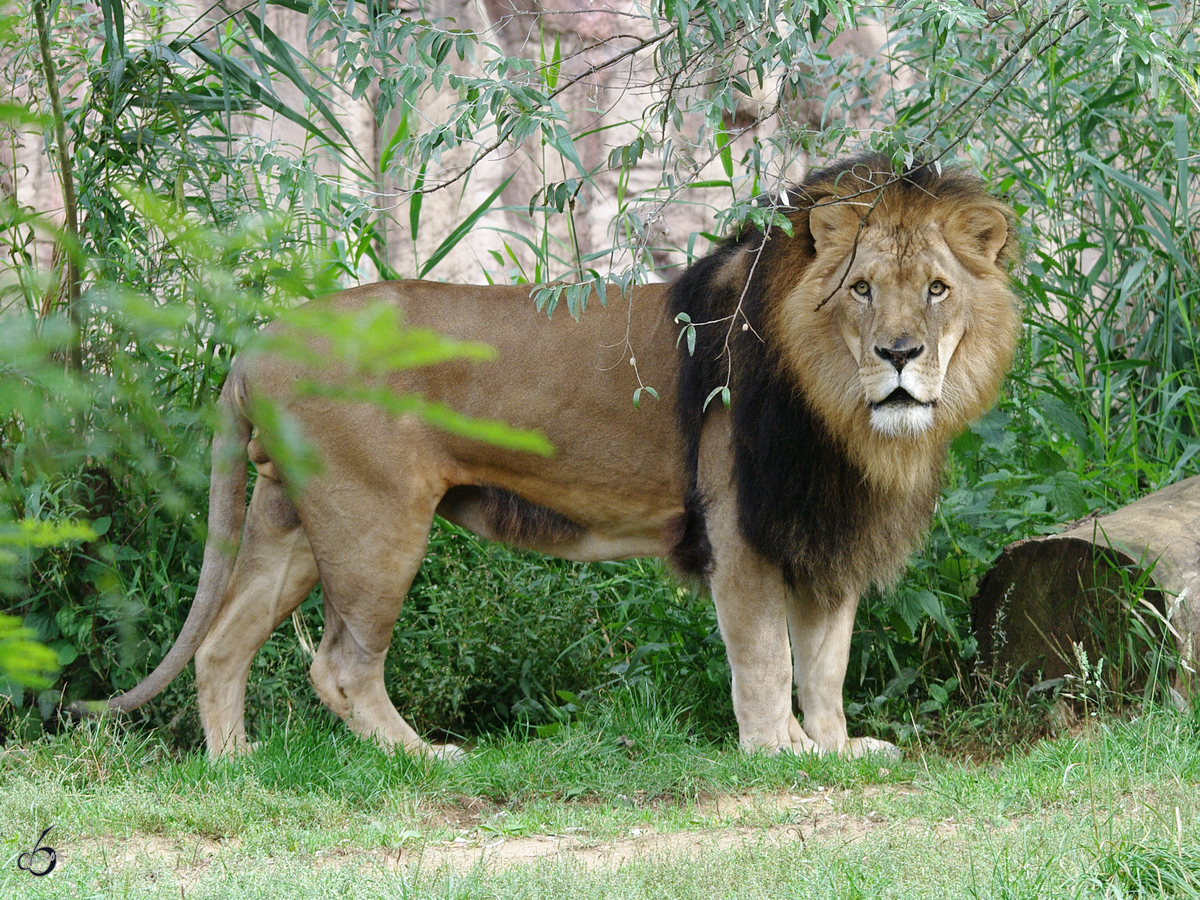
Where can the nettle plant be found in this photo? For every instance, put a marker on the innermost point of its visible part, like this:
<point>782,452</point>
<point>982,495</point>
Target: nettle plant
<point>218,169</point>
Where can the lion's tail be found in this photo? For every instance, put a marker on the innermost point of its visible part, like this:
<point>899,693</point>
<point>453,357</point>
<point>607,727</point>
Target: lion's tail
<point>226,512</point>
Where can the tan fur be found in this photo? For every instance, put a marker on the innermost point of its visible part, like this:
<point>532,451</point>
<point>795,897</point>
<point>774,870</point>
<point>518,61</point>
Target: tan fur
<point>615,485</point>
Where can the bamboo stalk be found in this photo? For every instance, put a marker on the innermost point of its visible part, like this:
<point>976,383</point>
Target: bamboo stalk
<point>74,294</point>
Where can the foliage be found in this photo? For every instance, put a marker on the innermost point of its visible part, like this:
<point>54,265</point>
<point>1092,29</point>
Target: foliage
<point>1134,869</point>
<point>25,663</point>
<point>193,228</point>
<point>506,637</point>
<point>23,660</point>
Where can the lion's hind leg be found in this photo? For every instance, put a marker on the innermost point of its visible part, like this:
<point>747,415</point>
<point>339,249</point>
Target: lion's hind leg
<point>274,572</point>
<point>348,677</point>
<point>362,602</point>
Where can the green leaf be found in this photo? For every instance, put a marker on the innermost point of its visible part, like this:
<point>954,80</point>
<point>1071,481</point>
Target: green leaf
<point>369,342</point>
<point>22,659</point>
<point>550,72</point>
<point>114,32</point>
<point>558,138</point>
<point>489,431</point>
<point>463,229</point>
<point>399,136</point>
<point>637,395</point>
<point>16,115</point>
<point>44,533</point>
<point>415,202</point>
<point>724,142</point>
<point>722,391</point>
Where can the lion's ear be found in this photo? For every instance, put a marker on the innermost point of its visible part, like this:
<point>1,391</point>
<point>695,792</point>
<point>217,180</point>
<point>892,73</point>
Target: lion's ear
<point>832,223</point>
<point>982,229</point>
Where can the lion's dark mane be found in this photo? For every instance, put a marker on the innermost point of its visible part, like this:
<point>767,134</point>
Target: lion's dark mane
<point>802,503</point>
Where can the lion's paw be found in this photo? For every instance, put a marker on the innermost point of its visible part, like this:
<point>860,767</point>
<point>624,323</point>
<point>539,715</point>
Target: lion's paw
<point>866,746</point>
<point>450,753</point>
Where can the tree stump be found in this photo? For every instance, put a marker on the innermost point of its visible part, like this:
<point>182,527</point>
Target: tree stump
<point>1119,587</point>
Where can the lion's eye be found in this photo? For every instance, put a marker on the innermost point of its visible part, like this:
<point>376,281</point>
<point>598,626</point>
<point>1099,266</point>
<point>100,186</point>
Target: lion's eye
<point>861,289</point>
<point>937,288</point>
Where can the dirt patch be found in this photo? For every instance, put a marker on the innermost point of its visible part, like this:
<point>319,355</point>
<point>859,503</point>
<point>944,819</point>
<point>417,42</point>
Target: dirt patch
<point>812,817</point>
<point>462,813</point>
<point>749,820</point>
<point>464,853</point>
<point>188,857</point>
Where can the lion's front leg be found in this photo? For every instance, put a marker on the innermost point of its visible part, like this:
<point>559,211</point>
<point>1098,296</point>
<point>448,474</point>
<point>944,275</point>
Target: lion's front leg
<point>754,628</point>
<point>821,633</point>
<point>750,598</point>
<point>750,595</point>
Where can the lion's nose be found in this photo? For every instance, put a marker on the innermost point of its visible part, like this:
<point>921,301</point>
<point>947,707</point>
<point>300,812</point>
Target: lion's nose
<point>900,353</point>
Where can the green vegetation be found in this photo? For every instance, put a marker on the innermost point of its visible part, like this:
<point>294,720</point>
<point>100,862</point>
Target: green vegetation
<point>621,803</point>
<point>594,698</point>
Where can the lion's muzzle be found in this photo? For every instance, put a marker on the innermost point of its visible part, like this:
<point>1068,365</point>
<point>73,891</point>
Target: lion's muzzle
<point>900,353</point>
<point>901,412</point>
<point>900,398</point>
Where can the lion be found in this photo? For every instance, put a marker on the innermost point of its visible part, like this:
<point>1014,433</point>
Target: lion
<point>851,348</point>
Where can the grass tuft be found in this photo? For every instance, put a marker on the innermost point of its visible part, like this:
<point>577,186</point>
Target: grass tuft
<point>1132,870</point>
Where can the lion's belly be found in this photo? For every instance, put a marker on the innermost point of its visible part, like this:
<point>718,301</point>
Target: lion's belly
<point>499,515</point>
<point>612,506</point>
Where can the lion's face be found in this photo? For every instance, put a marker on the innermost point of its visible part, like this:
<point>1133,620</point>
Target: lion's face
<point>901,327</point>
<point>900,311</point>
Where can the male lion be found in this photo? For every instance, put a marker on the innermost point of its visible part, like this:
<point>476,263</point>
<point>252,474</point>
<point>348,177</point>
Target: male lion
<point>853,350</point>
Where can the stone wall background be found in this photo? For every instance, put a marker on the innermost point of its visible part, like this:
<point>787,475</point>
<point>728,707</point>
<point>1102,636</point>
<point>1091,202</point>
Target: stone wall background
<point>601,107</point>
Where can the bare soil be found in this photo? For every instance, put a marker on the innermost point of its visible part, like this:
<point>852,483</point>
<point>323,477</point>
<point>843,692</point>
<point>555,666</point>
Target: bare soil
<point>812,818</point>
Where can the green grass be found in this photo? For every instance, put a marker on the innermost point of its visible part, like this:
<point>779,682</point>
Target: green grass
<point>630,800</point>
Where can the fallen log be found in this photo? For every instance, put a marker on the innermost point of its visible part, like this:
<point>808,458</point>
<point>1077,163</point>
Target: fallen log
<point>1122,587</point>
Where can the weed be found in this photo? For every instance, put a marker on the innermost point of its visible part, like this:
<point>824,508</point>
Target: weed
<point>1132,870</point>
